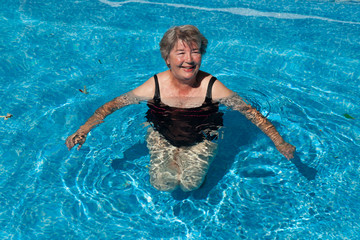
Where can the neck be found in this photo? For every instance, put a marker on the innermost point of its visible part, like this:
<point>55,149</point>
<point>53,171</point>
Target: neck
<point>184,84</point>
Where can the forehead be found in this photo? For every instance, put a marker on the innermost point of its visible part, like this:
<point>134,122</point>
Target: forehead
<point>180,44</point>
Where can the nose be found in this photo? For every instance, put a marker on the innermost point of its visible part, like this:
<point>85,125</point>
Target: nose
<point>188,57</point>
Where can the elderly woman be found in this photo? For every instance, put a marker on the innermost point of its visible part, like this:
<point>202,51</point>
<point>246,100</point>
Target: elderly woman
<point>184,114</point>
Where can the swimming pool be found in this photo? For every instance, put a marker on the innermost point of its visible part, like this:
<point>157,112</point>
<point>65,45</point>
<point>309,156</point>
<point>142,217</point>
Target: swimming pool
<point>298,62</point>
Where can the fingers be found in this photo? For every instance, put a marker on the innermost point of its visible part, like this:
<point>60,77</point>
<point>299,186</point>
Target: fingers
<point>69,143</point>
<point>78,148</point>
<point>74,139</point>
<point>290,152</point>
<point>69,147</point>
<point>289,156</point>
<point>287,150</point>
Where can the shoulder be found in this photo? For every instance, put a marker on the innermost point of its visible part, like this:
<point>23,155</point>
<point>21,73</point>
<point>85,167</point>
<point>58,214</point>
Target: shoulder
<point>145,90</point>
<point>219,90</point>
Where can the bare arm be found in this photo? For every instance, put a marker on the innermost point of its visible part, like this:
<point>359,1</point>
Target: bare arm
<point>143,92</point>
<point>235,102</point>
<point>79,137</point>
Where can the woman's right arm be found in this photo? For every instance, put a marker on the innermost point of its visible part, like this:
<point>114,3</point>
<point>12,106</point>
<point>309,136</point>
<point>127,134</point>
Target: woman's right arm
<point>143,92</point>
<point>79,137</point>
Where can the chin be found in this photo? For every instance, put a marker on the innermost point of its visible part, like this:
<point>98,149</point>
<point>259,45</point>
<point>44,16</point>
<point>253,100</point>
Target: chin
<point>192,73</point>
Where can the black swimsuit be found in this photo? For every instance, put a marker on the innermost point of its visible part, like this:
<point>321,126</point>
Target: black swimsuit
<point>185,126</point>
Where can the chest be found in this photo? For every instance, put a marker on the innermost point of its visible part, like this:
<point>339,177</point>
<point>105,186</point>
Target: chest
<point>182,98</point>
<point>183,102</point>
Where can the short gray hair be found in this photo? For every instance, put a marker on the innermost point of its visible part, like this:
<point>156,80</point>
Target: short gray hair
<point>187,33</point>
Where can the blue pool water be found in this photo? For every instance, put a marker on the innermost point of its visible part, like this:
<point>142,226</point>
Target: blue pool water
<point>298,62</point>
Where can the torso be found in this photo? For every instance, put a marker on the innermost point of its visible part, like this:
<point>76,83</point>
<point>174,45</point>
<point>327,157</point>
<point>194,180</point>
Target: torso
<point>188,122</point>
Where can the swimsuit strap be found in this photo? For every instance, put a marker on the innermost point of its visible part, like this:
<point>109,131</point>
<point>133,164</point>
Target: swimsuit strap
<point>157,89</point>
<point>208,93</point>
<point>209,90</point>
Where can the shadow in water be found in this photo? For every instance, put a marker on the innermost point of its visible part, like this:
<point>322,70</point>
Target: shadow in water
<point>134,152</point>
<point>308,172</point>
<point>257,173</point>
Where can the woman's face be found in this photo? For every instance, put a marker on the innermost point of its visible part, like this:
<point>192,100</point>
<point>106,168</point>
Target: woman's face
<point>184,61</point>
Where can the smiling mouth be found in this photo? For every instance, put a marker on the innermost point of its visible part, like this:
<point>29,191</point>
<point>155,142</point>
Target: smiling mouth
<point>188,69</point>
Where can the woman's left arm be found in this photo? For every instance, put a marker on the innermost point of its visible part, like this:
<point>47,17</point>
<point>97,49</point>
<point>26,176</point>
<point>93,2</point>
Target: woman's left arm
<point>235,102</point>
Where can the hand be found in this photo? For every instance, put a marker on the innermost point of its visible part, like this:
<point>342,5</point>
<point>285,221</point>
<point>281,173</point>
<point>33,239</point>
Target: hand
<point>286,149</point>
<point>77,138</point>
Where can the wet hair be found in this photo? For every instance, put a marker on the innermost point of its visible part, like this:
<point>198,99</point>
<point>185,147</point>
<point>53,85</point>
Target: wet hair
<point>187,33</point>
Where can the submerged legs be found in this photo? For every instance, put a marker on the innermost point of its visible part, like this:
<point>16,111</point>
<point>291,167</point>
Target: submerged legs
<point>171,167</point>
